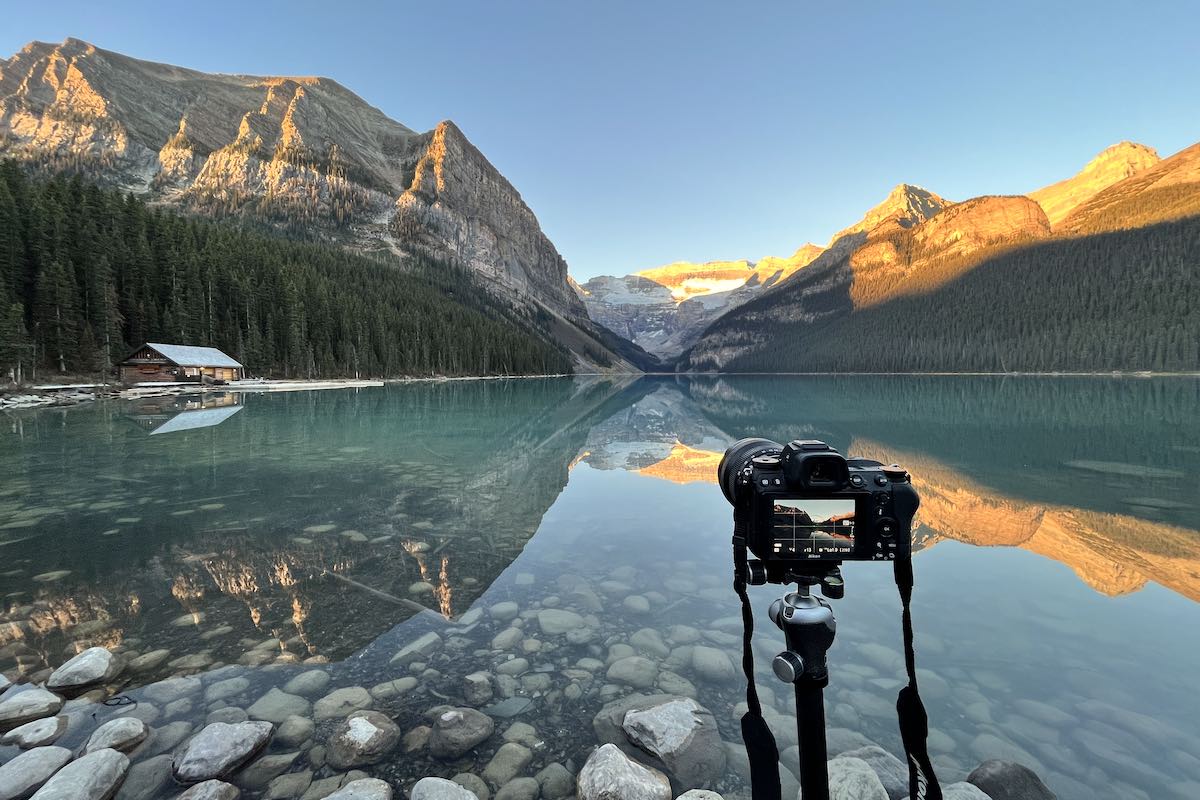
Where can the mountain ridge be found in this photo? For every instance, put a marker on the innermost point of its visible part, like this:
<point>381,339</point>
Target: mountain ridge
<point>304,154</point>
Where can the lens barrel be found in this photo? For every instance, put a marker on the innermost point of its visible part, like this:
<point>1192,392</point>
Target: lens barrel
<point>736,456</point>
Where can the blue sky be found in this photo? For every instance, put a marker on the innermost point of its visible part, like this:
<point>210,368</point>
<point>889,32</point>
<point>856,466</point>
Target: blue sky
<point>648,132</point>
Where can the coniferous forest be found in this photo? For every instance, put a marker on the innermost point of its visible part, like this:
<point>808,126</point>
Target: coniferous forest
<point>88,273</point>
<point>1122,300</point>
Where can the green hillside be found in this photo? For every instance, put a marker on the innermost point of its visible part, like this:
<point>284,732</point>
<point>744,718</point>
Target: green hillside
<point>86,273</point>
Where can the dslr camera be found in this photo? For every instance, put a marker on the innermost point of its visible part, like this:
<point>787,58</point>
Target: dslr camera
<point>803,508</point>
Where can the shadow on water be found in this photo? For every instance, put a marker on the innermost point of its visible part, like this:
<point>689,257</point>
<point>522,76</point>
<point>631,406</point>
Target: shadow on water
<point>260,538</point>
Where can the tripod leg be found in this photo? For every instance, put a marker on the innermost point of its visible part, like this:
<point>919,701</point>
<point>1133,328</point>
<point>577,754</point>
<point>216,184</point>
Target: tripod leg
<point>810,725</point>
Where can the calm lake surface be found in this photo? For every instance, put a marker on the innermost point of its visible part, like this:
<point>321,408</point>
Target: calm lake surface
<point>1058,563</point>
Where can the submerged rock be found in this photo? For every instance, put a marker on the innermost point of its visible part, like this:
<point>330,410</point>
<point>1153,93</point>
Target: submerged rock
<point>220,749</point>
<point>19,707</point>
<point>635,671</point>
<point>95,776</point>
<point>37,733</point>
<point>308,683</point>
<point>683,736</point>
<point>211,790</point>
<point>25,774</point>
<point>892,772</point>
<point>712,665</point>
<point>519,789</point>
<point>294,731</point>
<point>262,771</point>
<point>556,621</point>
<point>363,789</point>
<point>92,666</point>
<point>1008,780</point>
<point>146,779</point>
<point>458,730</point>
<point>418,650</point>
<point>509,762</point>
<point>364,737</point>
<point>439,789</point>
<point>123,734</point>
<point>276,706</point>
<point>341,703</point>
<point>555,781</point>
<point>609,774</point>
<point>964,791</point>
<point>853,779</point>
<point>474,784</point>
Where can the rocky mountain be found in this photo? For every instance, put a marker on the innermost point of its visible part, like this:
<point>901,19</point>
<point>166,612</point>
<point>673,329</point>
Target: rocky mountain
<point>1113,164</point>
<point>970,286</point>
<point>664,309</point>
<point>301,153</point>
<point>1168,190</point>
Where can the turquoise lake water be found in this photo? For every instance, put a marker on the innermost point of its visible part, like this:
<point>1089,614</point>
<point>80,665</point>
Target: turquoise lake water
<point>1057,563</point>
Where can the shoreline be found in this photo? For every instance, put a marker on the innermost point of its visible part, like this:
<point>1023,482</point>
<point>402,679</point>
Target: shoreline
<point>43,395</point>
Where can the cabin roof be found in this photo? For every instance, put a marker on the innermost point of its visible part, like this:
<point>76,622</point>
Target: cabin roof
<point>188,356</point>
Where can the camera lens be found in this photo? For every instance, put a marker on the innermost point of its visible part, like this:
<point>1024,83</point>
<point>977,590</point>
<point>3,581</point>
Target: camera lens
<point>736,455</point>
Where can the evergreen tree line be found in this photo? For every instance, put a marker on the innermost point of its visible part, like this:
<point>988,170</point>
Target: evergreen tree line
<point>86,274</point>
<point>1125,300</point>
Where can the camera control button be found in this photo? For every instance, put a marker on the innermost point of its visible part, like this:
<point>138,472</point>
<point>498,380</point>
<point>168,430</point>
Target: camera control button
<point>880,480</point>
<point>886,527</point>
<point>881,498</point>
<point>856,480</point>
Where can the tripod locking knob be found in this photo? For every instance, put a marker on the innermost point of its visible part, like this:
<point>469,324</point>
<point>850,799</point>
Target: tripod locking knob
<point>788,666</point>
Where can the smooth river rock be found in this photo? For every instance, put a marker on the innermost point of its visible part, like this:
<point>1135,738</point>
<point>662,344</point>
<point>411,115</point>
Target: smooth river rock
<point>683,735</point>
<point>419,649</point>
<point>439,789</point>
<point>220,749</point>
<point>363,789</point>
<point>1008,780</point>
<point>146,779</point>
<point>713,665</point>
<point>853,779</point>
<point>25,774</point>
<point>364,737</point>
<point>341,703</point>
<point>92,666</point>
<point>37,733</point>
<point>96,776</point>
<point>609,774</point>
<point>276,706</point>
<point>556,621</point>
<point>508,762</point>
<point>123,734</point>
<point>892,772</point>
<point>211,790</point>
<point>19,707</point>
<point>458,730</point>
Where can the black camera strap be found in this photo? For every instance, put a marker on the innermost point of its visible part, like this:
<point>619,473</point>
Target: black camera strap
<point>761,749</point>
<point>914,722</point>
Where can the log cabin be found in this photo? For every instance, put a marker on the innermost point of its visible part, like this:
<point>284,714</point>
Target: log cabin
<point>178,363</point>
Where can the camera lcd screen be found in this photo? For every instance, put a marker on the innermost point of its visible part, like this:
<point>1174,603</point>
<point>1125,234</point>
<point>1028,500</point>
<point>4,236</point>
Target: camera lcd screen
<point>813,528</point>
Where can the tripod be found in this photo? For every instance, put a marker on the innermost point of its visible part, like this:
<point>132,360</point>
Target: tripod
<point>808,628</point>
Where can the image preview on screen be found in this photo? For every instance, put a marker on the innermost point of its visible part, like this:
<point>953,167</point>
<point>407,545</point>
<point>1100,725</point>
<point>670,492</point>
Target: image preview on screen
<point>813,527</point>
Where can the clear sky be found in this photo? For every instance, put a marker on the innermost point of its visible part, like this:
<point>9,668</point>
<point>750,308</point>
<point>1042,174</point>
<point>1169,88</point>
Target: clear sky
<point>648,132</point>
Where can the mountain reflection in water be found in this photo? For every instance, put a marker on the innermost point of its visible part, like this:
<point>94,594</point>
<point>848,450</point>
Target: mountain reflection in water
<point>335,526</point>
